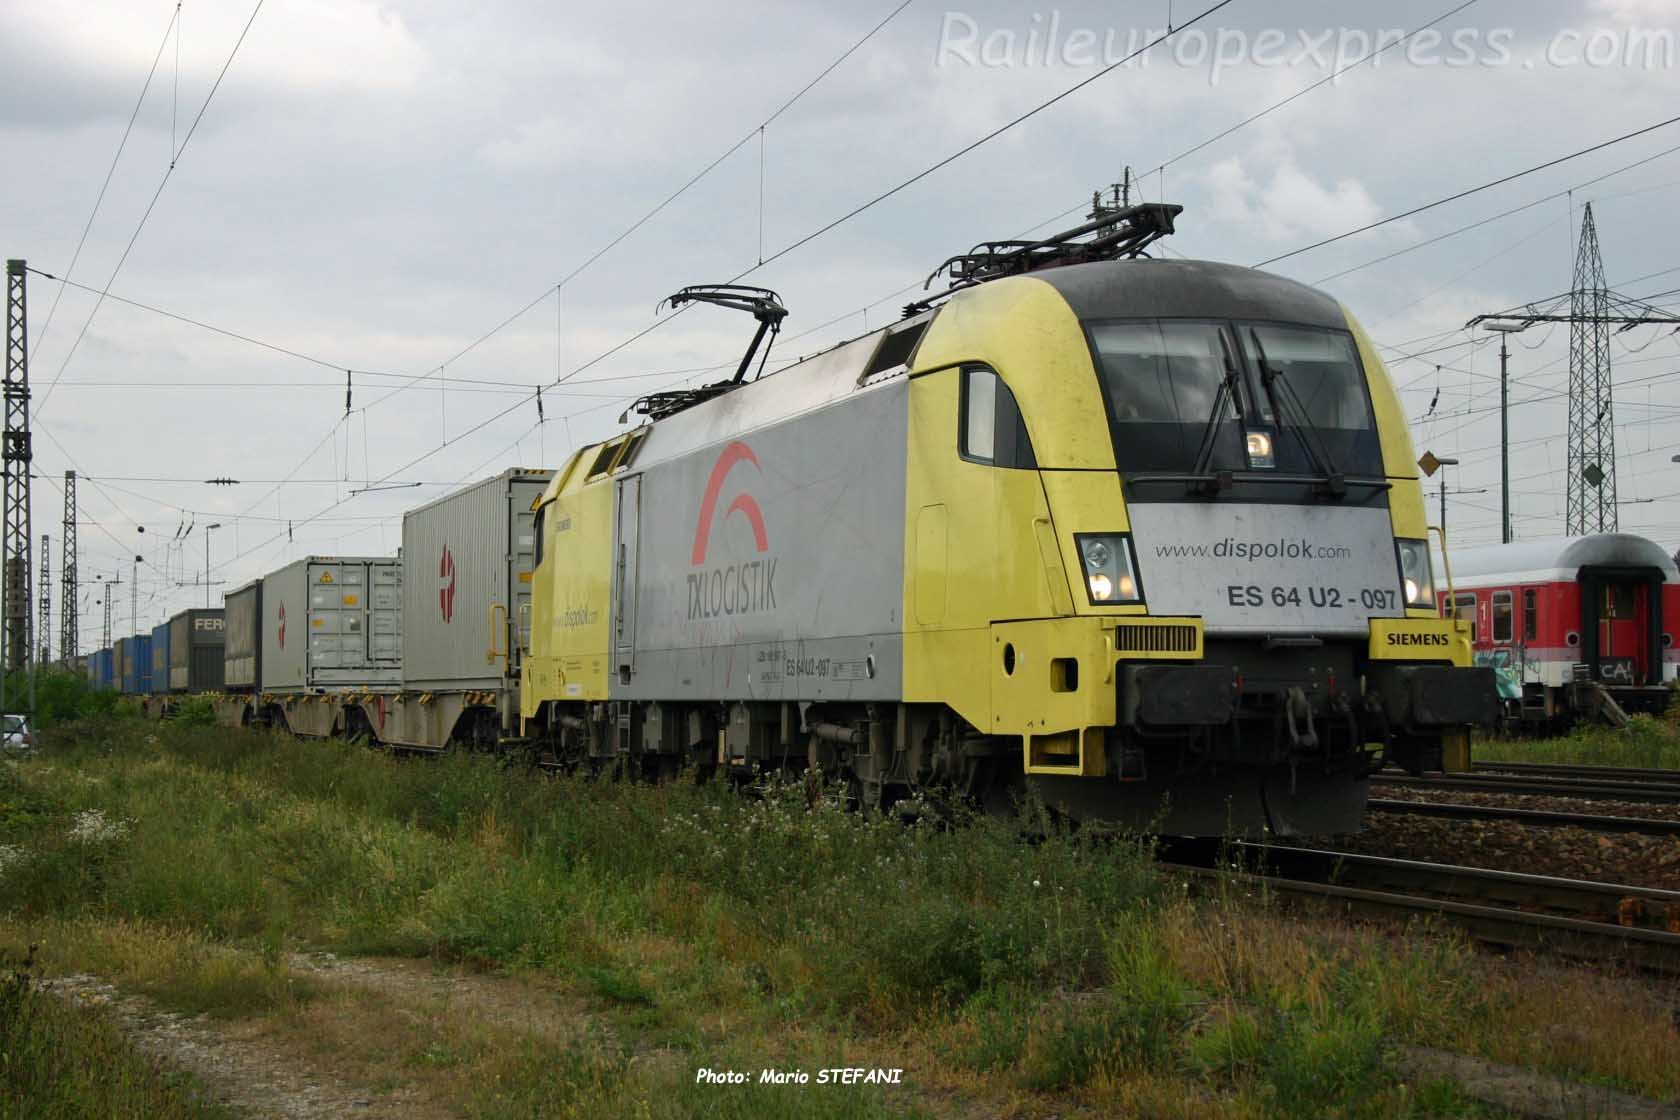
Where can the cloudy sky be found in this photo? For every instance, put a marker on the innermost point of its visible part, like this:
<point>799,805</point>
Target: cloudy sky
<point>378,186</point>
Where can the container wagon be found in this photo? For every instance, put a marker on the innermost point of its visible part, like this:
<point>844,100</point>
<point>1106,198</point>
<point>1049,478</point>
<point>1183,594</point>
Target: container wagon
<point>196,651</point>
<point>241,654</point>
<point>466,613</point>
<point>159,678</point>
<point>329,641</point>
<point>134,664</point>
<point>155,704</point>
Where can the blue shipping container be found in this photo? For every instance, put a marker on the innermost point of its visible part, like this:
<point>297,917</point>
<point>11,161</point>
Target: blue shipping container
<point>136,657</point>
<point>104,675</point>
<point>159,680</point>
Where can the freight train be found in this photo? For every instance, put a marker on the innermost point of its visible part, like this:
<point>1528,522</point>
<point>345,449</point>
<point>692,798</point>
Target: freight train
<point>1142,538</point>
<point>1572,622</point>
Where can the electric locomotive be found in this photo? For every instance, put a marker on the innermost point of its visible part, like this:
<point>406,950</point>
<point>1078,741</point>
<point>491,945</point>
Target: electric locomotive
<point>1142,537</point>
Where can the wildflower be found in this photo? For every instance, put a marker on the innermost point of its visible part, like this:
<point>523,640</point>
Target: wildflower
<point>10,854</point>
<point>91,827</point>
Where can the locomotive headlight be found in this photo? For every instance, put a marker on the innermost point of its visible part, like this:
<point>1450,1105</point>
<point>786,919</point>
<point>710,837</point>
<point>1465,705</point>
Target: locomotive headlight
<point>1415,575</point>
<point>1110,572</point>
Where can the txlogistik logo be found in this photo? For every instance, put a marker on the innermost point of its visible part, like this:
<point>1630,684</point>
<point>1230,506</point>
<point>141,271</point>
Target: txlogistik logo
<point>737,587</point>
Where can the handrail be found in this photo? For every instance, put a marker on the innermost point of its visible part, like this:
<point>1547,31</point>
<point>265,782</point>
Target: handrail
<point>1446,569</point>
<point>493,652</point>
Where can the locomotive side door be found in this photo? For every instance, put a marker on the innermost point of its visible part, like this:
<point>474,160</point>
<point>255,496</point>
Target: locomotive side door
<point>626,534</point>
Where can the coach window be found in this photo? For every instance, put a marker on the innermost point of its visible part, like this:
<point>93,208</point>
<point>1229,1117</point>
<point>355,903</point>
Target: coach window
<point>1464,606</point>
<point>992,430</point>
<point>1502,603</point>
<point>1531,613</point>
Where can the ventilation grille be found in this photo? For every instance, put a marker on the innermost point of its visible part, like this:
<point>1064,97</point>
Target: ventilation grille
<point>1176,638</point>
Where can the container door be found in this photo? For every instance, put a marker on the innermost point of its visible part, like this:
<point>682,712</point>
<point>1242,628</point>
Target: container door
<point>627,529</point>
<point>336,636</point>
<point>385,614</point>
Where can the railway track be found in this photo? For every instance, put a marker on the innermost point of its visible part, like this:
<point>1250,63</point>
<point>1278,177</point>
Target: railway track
<point>1589,821</point>
<point>1572,770</point>
<point>1603,922</point>
<point>1655,793</point>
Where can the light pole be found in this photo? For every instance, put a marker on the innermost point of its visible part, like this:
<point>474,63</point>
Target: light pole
<point>207,530</point>
<point>1505,329</point>
<point>1439,464</point>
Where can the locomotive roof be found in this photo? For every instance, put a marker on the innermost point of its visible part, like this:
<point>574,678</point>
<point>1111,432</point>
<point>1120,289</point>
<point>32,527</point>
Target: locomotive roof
<point>1180,289</point>
<point>1143,288</point>
<point>1558,558</point>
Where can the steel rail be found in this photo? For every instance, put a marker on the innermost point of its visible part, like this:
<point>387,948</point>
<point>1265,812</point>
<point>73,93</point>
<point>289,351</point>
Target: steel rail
<point>1544,787</point>
<point>1579,770</point>
<point>1588,821</point>
<point>1573,917</point>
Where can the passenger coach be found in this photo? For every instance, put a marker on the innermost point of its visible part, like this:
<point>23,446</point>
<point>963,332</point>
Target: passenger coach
<point>1554,614</point>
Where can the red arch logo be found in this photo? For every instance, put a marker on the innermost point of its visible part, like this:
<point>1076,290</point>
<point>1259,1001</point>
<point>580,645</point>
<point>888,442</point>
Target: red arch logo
<point>744,503</point>
<point>446,584</point>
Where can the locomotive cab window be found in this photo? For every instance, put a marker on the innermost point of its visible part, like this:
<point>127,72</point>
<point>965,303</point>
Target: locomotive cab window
<point>991,428</point>
<point>1166,383</point>
<point>603,460</point>
<point>537,532</point>
<point>1502,616</point>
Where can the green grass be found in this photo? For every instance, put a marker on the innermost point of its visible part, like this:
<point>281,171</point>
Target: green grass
<point>61,1061</point>
<point>1647,742</point>
<point>760,931</point>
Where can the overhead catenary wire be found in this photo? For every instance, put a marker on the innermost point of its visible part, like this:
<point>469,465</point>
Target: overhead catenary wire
<point>660,207</point>
<point>99,199</point>
<point>150,206</point>
<point>1511,178</point>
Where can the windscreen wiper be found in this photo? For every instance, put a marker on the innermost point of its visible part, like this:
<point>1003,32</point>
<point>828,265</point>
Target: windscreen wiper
<point>1203,479</point>
<point>1282,396</point>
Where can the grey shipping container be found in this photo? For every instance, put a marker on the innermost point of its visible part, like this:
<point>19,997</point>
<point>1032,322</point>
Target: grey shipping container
<point>470,556</point>
<point>242,651</point>
<point>197,641</point>
<point>332,622</point>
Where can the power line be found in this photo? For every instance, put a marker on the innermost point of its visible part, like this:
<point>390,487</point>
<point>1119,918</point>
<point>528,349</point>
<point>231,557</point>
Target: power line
<point>174,157</point>
<point>1467,193</point>
<point>654,212</point>
<point>1332,76</point>
<point>174,21</point>
<point>1553,197</point>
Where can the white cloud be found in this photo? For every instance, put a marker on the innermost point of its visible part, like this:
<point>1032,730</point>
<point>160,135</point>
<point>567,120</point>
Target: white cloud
<point>1292,205</point>
<point>1640,13</point>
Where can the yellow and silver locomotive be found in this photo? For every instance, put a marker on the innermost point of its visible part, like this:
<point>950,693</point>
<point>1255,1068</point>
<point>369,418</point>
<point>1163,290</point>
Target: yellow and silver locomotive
<point>1142,535</point>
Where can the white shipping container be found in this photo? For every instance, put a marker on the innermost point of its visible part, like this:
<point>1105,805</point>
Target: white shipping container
<point>332,622</point>
<point>466,608</point>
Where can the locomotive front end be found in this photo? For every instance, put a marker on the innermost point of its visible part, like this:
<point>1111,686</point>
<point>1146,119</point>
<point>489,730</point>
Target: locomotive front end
<point>1232,500</point>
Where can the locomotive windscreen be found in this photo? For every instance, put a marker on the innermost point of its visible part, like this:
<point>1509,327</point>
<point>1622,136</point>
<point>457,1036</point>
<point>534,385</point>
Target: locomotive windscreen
<point>1161,380</point>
